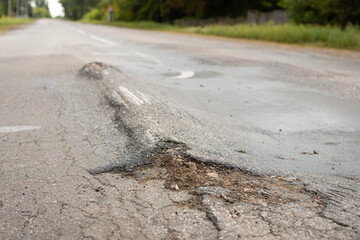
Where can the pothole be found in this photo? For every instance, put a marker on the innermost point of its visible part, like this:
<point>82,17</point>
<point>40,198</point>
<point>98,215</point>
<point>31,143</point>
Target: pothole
<point>181,172</point>
<point>169,162</point>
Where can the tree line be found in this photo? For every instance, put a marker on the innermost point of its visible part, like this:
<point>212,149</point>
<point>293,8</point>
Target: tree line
<point>336,12</point>
<point>24,8</point>
<point>339,12</point>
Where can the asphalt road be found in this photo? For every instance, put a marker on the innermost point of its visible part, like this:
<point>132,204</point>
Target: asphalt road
<point>267,108</point>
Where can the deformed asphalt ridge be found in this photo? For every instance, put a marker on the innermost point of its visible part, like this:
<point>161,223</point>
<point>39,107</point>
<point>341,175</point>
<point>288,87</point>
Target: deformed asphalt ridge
<point>238,204</point>
<point>53,188</point>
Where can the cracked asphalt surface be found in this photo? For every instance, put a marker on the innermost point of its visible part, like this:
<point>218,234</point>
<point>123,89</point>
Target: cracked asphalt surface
<point>97,158</point>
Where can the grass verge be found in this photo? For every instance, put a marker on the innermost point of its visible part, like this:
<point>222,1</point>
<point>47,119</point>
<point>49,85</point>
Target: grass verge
<point>313,35</point>
<point>8,23</point>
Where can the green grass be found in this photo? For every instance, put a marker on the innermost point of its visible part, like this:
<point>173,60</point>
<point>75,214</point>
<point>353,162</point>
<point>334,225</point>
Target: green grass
<point>313,35</point>
<point>7,23</point>
<point>324,36</point>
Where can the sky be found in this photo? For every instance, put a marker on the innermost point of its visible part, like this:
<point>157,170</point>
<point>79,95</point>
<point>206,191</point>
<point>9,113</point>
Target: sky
<point>55,8</point>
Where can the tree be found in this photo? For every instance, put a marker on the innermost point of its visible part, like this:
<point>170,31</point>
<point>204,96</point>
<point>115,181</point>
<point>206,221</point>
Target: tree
<point>75,9</point>
<point>2,9</point>
<point>41,12</point>
<point>170,10</point>
<point>339,12</point>
<point>42,3</point>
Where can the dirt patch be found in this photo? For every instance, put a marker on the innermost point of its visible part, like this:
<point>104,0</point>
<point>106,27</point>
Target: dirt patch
<point>179,172</point>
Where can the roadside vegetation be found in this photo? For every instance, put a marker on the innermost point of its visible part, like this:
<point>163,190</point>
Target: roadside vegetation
<point>13,13</point>
<point>324,23</point>
<point>301,34</point>
<point>315,35</point>
<point>7,23</point>
<point>41,12</point>
<point>11,17</point>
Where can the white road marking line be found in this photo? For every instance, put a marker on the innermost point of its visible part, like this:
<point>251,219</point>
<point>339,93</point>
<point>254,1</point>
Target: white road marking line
<point>77,30</point>
<point>157,61</point>
<point>143,97</point>
<point>131,97</point>
<point>80,31</point>
<point>102,40</point>
<point>185,74</point>
<point>118,98</point>
<point>11,129</point>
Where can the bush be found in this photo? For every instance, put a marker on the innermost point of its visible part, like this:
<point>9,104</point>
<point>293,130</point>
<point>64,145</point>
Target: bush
<point>7,23</point>
<point>94,14</point>
<point>336,12</point>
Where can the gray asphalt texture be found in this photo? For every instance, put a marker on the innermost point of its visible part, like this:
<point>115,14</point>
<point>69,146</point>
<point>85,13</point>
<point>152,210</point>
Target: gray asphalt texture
<point>267,108</point>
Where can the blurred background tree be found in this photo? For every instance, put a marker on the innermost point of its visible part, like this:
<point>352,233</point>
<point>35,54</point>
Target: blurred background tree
<point>169,10</point>
<point>4,7</point>
<point>75,9</point>
<point>41,12</point>
<point>40,9</point>
<point>338,12</point>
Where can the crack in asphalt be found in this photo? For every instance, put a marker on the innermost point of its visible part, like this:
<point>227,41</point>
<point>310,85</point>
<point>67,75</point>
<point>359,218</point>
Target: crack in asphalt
<point>167,194</point>
<point>158,150</point>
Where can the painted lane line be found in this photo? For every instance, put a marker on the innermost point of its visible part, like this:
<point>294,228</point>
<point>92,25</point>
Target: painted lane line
<point>118,98</point>
<point>11,129</point>
<point>157,61</point>
<point>77,30</point>
<point>130,96</point>
<point>185,74</point>
<point>102,40</point>
<point>80,31</point>
<point>143,97</point>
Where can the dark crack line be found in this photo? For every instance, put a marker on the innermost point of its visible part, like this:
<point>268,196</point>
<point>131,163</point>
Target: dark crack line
<point>335,221</point>
<point>213,219</point>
